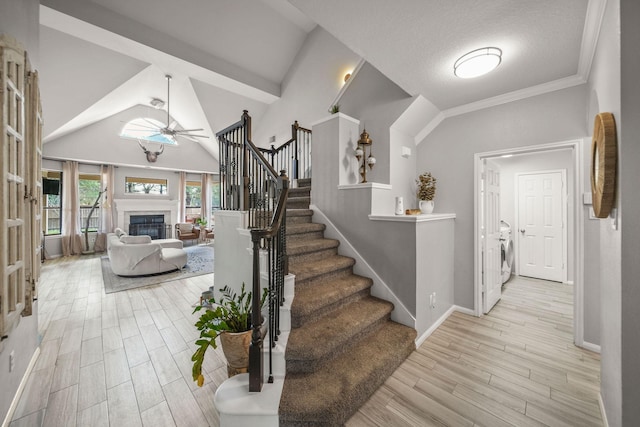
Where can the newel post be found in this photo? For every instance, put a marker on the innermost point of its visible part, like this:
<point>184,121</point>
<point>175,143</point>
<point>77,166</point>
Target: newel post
<point>255,349</point>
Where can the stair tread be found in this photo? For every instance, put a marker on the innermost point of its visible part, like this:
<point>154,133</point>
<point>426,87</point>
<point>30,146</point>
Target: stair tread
<point>310,245</point>
<point>309,299</point>
<point>325,265</point>
<point>336,328</point>
<point>332,394</point>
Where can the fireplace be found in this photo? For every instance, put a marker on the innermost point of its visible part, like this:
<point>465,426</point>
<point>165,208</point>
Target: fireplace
<point>150,225</point>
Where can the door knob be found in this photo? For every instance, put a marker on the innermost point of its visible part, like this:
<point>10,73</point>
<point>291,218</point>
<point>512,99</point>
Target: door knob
<point>522,230</point>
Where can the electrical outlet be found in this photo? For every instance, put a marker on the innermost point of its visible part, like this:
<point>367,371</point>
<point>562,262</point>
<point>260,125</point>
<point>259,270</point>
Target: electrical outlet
<point>434,300</point>
<point>12,361</point>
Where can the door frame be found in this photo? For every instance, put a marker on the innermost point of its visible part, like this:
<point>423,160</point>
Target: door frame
<point>565,219</point>
<point>577,224</point>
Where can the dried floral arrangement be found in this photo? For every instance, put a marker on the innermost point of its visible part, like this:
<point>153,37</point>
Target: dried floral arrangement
<point>426,186</point>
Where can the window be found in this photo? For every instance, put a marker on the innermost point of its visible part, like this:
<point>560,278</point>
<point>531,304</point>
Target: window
<point>52,204</point>
<point>89,189</point>
<point>215,198</point>
<point>146,129</point>
<point>193,200</point>
<point>135,185</point>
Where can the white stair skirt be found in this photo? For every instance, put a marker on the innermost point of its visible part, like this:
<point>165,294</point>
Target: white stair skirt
<point>235,404</point>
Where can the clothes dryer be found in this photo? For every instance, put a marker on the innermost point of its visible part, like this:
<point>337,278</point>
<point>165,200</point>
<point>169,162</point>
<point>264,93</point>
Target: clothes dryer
<point>506,249</point>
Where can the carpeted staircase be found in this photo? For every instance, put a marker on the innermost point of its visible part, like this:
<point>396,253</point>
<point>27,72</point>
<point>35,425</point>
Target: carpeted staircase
<point>342,344</point>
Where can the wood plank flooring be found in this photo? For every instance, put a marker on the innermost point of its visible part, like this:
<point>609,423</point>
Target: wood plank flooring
<point>516,366</point>
<point>124,360</point>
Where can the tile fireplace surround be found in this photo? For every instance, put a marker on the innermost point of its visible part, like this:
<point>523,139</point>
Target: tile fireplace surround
<point>127,207</point>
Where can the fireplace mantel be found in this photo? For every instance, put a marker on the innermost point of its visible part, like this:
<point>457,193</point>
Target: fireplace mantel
<point>127,207</point>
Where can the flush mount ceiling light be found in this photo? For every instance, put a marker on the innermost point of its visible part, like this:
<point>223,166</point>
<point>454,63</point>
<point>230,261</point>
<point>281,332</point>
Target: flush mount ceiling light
<point>157,103</point>
<point>477,62</point>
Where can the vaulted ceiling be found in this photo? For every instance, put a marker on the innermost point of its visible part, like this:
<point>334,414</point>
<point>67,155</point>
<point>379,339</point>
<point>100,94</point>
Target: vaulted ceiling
<point>101,57</point>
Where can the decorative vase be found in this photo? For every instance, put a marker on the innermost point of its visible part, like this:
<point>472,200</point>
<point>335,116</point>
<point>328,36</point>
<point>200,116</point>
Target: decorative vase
<point>235,346</point>
<point>426,206</point>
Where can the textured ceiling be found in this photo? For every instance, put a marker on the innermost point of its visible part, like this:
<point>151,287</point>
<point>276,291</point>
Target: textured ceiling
<point>416,42</point>
<point>101,57</point>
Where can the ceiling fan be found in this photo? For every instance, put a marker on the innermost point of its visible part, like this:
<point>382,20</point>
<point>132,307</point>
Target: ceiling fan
<point>170,130</point>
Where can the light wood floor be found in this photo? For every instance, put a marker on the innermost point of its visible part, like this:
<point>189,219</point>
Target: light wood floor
<point>124,360</point>
<point>516,366</point>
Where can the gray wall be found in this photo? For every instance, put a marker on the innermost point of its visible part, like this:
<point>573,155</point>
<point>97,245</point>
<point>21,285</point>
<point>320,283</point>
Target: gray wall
<point>20,19</point>
<point>448,152</point>
<point>629,200</point>
<point>604,95</point>
<point>311,84</point>
<point>614,88</point>
<point>377,102</point>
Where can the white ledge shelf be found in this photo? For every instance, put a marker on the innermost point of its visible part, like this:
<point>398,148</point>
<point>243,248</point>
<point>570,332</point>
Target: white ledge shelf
<point>413,218</point>
<point>364,185</point>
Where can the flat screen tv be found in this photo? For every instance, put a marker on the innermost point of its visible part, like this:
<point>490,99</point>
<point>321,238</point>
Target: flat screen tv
<point>50,186</point>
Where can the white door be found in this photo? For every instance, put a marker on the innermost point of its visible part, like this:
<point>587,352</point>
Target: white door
<point>492,274</point>
<point>541,226</point>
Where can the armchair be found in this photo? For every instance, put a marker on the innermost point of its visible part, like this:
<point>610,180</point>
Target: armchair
<point>187,231</point>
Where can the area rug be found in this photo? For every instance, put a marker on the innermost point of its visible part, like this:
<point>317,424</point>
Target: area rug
<point>199,261</point>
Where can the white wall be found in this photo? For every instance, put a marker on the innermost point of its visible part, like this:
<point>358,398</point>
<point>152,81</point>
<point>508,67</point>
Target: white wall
<point>311,84</point>
<point>448,153</point>
<point>100,143</point>
<point>604,95</point>
<point>20,20</point>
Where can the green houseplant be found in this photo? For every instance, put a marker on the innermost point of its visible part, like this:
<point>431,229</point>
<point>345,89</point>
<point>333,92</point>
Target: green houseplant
<point>201,222</point>
<point>230,319</point>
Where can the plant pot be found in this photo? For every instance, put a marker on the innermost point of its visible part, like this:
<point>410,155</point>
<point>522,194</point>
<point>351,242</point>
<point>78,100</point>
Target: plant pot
<point>426,206</point>
<point>235,346</point>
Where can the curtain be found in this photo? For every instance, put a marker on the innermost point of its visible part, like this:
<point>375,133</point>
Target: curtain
<point>182,197</point>
<point>71,219</point>
<point>205,198</point>
<point>107,182</point>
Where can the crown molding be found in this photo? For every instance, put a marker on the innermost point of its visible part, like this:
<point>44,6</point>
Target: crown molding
<point>591,33</point>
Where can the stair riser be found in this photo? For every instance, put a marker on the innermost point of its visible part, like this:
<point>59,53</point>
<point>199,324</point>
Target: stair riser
<point>315,280</point>
<point>299,192</point>
<point>312,256</point>
<point>304,182</point>
<point>305,236</point>
<point>298,203</point>
<point>311,365</point>
<point>298,219</point>
<point>298,321</point>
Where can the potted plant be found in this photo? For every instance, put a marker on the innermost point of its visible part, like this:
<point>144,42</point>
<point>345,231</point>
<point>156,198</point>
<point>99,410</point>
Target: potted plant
<point>426,192</point>
<point>230,319</point>
<point>201,222</point>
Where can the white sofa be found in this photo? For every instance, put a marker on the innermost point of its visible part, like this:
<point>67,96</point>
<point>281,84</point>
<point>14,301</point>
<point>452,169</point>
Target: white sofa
<point>139,255</point>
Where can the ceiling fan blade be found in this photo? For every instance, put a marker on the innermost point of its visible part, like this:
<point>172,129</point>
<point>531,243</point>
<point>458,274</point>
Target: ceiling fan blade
<point>144,127</point>
<point>197,136</point>
<point>188,130</point>
<point>155,125</point>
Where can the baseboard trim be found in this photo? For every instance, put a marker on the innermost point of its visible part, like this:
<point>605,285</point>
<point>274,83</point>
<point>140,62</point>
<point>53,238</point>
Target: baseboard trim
<point>422,338</point>
<point>23,383</point>
<point>603,412</point>
<point>591,347</point>
<point>465,310</point>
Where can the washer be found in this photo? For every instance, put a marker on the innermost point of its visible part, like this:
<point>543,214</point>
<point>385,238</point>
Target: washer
<point>506,249</point>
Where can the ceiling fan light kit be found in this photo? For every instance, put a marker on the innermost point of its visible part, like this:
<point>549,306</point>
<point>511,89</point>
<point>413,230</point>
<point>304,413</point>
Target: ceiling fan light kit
<point>477,62</point>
